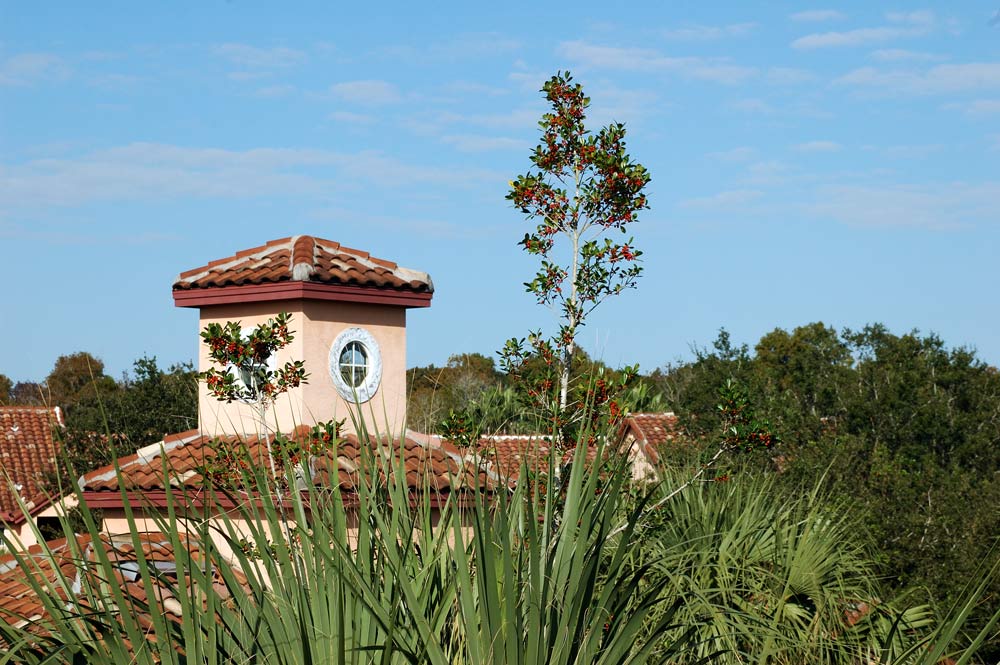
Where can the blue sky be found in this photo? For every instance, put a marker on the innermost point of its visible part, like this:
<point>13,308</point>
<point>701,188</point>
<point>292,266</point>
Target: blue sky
<point>835,162</point>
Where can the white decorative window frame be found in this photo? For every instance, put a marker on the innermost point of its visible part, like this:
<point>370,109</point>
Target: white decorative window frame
<point>271,363</point>
<point>373,376</point>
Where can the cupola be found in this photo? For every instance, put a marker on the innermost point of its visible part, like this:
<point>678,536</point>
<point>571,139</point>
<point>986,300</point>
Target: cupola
<point>349,322</point>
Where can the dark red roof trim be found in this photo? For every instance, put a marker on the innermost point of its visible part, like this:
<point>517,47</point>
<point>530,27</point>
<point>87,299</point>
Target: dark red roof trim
<point>226,295</point>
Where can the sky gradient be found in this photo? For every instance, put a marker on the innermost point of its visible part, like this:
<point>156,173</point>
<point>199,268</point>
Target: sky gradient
<point>835,163</point>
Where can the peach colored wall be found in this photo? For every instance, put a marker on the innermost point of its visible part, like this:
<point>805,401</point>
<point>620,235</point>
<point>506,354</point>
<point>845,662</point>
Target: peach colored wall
<point>315,325</point>
<point>386,410</point>
<point>24,535</point>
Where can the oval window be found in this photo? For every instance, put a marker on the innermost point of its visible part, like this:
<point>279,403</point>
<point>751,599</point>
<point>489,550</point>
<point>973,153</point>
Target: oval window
<point>355,365</point>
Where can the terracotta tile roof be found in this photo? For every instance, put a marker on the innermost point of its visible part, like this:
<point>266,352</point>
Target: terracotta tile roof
<point>654,429</point>
<point>77,564</point>
<point>28,451</point>
<point>506,454</point>
<point>429,462</point>
<point>642,435</point>
<point>651,431</point>
<point>305,259</point>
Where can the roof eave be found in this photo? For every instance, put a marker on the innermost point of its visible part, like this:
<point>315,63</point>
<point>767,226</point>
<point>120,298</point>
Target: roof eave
<point>299,290</point>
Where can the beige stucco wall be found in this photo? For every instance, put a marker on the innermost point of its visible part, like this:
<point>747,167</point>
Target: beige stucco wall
<point>386,410</point>
<point>23,536</point>
<point>315,325</point>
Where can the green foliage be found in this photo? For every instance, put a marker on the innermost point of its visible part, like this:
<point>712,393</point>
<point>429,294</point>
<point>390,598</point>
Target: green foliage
<point>6,386</point>
<point>140,409</point>
<point>769,575</point>
<point>470,390</point>
<point>76,378</point>
<point>582,187</point>
<point>900,426</point>
<point>242,373</point>
<point>27,393</point>
<point>435,392</point>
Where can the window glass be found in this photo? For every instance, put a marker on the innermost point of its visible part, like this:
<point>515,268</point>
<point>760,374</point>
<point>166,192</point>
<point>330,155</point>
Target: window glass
<point>354,364</point>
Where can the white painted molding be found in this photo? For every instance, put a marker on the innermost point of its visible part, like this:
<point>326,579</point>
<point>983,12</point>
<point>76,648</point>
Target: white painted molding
<point>373,374</point>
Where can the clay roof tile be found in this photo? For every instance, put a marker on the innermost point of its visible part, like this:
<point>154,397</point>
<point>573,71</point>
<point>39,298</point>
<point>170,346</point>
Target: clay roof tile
<point>426,461</point>
<point>308,259</point>
<point>28,450</point>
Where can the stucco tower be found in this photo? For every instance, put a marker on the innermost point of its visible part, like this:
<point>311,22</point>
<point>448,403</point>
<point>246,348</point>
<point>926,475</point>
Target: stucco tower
<point>348,318</point>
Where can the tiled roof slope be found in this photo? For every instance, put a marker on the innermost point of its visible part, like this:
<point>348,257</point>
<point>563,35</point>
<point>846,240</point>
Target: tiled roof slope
<point>506,454</point>
<point>641,436</point>
<point>651,431</point>
<point>28,451</point>
<point>20,605</point>
<point>305,259</point>
<point>428,462</point>
<point>653,428</point>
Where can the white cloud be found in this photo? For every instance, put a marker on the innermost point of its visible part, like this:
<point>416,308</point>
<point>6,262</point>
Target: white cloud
<point>788,76</point>
<point>934,206</point>
<point>923,17</point>
<point>473,88</point>
<point>156,172</point>
<point>475,143</point>
<point>370,92</point>
<point>352,118</point>
<point>27,68</point>
<point>476,45</point>
<point>857,37</point>
<point>752,106</point>
<point>817,16</point>
<point>710,32</point>
<point>739,154</point>
<point>274,91</point>
<point>903,55</point>
<point>912,24</point>
<point>247,76</point>
<point>727,199</point>
<point>614,104</point>
<point>114,81</point>
<point>817,146</point>
<point>367,219</point>
<point>521,121</point>
<point>769,172</point>
<point>470,45</point>
<point>936,80</point>
<point>649,60</point>
<point>909,152</point>
<point>260,58</point>
<point>976,106</point>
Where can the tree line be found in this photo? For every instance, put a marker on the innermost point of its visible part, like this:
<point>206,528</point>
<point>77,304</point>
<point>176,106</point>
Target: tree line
<point>901,427</point>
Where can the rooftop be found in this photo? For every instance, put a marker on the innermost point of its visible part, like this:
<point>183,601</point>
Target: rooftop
<point>306,266</point>
<point>77,563</point>
<point>427,461</point>
<point>28,452</point>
